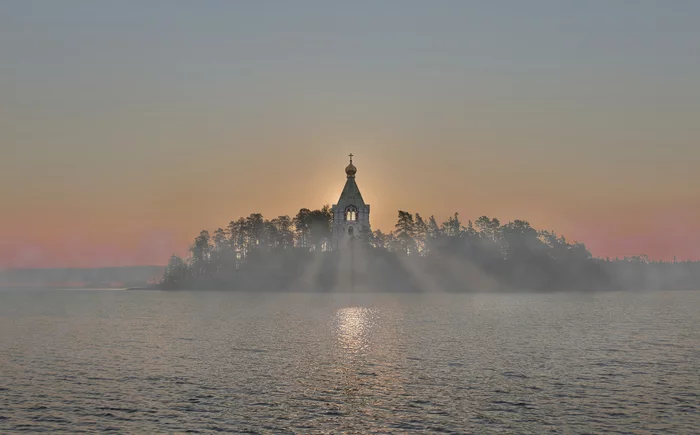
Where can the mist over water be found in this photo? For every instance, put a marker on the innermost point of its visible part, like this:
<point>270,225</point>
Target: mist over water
<point>311,252</point>
<point>151,362</point>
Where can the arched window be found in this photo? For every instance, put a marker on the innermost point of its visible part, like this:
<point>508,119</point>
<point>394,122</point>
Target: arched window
<point>350,213</point>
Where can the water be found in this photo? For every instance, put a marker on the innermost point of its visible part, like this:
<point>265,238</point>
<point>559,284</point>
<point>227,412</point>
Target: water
<point>158,362</point>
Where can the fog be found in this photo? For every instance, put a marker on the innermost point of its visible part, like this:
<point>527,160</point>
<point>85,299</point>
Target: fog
<point>420,255</point>
<point>64,277</point>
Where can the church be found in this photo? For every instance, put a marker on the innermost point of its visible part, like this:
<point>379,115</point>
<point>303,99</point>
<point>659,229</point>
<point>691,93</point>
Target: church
<point>350,214</point>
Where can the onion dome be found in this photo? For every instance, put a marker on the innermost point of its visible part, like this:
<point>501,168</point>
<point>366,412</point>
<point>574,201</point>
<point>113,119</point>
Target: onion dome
<point>351,170</point>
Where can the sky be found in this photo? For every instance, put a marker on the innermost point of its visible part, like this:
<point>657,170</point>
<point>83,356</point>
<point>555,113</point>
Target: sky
<point>127,127</point>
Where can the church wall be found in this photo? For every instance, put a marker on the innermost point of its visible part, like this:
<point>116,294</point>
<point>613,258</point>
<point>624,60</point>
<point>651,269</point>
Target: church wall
<point>350,196</point>
<point>341,226</point>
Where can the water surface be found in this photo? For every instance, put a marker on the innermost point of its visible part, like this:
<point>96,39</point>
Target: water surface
<point>75,361</point>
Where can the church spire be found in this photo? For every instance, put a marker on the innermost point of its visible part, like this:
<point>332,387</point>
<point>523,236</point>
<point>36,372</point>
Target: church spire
<point>350,214</point>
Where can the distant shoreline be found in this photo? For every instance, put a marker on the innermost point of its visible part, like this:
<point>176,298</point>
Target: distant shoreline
<point>81,278</point>
<point>75,287</point>
<point>148,287</point>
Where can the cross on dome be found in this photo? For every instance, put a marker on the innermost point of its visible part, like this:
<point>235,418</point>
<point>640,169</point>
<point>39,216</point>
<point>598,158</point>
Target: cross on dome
<point>351,170</point>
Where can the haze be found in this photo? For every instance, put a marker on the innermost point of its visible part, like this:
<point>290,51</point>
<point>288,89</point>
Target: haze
<point>126,127</point>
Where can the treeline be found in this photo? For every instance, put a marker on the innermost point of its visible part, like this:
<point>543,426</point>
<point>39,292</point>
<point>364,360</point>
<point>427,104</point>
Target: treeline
<point>418,255</point>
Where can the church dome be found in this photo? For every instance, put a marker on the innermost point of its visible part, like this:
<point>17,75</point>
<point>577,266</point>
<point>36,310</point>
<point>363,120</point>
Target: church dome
<point>351,170</point>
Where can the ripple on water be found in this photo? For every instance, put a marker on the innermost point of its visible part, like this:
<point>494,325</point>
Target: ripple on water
<point>126,362</point>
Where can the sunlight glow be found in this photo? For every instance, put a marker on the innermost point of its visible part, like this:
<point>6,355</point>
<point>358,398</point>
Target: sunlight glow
<point>353,325</point>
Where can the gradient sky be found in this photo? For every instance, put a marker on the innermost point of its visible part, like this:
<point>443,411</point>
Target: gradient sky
<point>128,126</point>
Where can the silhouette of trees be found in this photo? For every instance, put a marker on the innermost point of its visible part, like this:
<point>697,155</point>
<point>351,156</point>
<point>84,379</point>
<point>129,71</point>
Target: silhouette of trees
<point>405,233</point>
<point>302,227</point>
<point>284,232</point>
<point>255,232</point>
<point>452,227</point>
<point>200,254</point>
<point>420,232</point>
<point>253,252</point>
<point>432,236</point>
<point>220,250</point>
<point>320,222</point>
<point>177,273</point>
<point>379,240</point>
<point>236,237</point>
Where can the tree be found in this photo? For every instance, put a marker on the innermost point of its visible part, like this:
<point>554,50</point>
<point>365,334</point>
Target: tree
<point>254,231</point>
<point>302,225</point>
<point>470,231</point>
<point>221,250</point>
<point>200,253</point>
<point>237,238</point>
<point>488,228</point>
<point>490,239</point>
<point>271,239</point>
<point>432,236</point>
<point>420,233</point>
<point>176,273</point>
<point>320,222</point>
<point>379,240</point>
<point>405,228</point>
<point>452,227</point>
<point>220,239</point>
<point>364,236</point>
<point>284,231</point>
<point>522,242</point>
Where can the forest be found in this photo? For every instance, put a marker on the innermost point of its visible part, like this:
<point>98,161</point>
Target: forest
<point>419,255</point>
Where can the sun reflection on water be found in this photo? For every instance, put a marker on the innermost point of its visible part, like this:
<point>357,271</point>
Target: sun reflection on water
<point>367,363</point>
<point>353,325</point>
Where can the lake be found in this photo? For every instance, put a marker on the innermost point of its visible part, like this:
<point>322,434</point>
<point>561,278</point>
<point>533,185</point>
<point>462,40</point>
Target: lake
<point>93,361</point>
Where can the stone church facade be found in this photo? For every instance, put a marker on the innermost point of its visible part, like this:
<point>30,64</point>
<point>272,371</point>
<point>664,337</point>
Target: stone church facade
<point>350,214</point>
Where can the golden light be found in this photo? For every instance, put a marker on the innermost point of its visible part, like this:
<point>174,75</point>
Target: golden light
<point>353,325</point>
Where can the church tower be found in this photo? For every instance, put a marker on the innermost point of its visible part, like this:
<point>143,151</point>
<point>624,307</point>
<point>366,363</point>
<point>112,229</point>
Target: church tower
<point>350,214</point>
